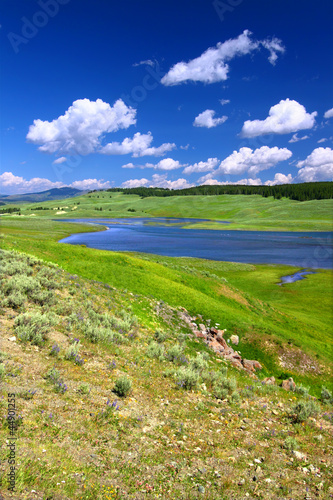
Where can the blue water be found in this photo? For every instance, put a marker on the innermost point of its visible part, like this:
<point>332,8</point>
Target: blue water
<point>295,277</point>
<point>167,237</point>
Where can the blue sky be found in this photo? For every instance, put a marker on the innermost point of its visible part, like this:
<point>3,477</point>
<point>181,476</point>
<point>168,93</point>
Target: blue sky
<point>99,94</point>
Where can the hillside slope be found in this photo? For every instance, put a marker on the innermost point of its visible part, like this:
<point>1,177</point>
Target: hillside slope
<point>191,425</point>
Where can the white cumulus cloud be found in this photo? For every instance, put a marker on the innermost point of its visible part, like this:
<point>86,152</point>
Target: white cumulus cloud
<point>285,117</point>
<point>224,101</point>
<point>91,184</point>
<point>60,160</point>
<point>165,164</point>
<point>158,180</point>
<point>139,145</point>
<point>206,119</point>
<point>318,166</point>
<point>82,126</point>
<point>201,166</point>
<point>211,66</point>
<point>208,181</point>
<point>253,161</point>
<point>280,179</point>
<point>329,113</point>
<point>14,184</point>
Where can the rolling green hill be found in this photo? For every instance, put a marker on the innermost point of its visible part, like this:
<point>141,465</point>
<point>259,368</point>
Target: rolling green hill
<point>252,212</point>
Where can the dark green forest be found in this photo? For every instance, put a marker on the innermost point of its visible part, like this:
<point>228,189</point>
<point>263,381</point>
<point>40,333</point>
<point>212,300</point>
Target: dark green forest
<point>300,192</point>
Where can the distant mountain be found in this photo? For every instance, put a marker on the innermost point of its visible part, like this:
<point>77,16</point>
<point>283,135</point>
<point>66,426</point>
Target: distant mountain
<point>49,195</point>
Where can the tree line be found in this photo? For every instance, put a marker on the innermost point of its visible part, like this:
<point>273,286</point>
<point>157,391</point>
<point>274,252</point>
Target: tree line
<point>301,192</point>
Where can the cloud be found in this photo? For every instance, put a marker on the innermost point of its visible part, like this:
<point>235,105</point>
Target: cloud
<point>224,101</point>
<point>206,119</point>
<point>211,66</point>
<point>60,160</point>
<point>285,117</point>
<point>202,166</point>
<point>82,127</point>
<point>329,113</point>
<point>91,184</point>
<point>165,164</point>
<point>252,162</point>
<point>208,181</point>
<point>280,179</point>
<point>318,166</point>
<point>158,180</point>
<point>185,147</point>
<point>322,140</point>
<point>138,146</point>
<point>146,62</point>
<point>14,184</point>
<point>295,138</point>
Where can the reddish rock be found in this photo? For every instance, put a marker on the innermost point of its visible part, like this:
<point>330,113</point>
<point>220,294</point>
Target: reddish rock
<point>199,335</point>
<point>214,331</point>
<point>269,381</point>
<point>288,385</point>
<point>257,365</point>
<point>202,327</point>
<point>237,364</point>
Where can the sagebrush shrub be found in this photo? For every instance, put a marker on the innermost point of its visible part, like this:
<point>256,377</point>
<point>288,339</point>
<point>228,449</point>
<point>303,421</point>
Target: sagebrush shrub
<point>155,350</point>
<point>199,363</point>
<point>14,300</point>
<point>186,377</point>
<point>326,395</point>
<point>33,327</point>
<point>290,444</point>
<point>302,410</point>
<point>224,386</point>
<point>175,354</point>
<point>122,386</point>
<point>160,336</point>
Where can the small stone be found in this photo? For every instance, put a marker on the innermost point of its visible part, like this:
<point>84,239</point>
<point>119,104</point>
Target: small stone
<point>299,455</point>
<point>268,480</point>
<point>241,482</point>
<point>12,339</point>
<point>201,489</point>
<point>288,385</point>
<point>258,469</point>
<point>318,438</point>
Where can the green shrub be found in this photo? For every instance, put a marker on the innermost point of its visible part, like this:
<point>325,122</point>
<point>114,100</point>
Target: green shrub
<point>199,363</point>
<point>15,300</point>
<point>84,388</point>
<point>290,444</point>
<point>235,397</point>
<point>2,370</point>
<point>33,327</point>
<point>302,410</point>
<point>43,297</point>
<point>223,387</point>
<point>176,354</point>
<point>155,350</point>
<point>160,336</point>
<point>326,395</point>
<point>22,284</point>
<point>186,377</point>
<point>122,386</point>
<point>94,333</point>
<point>300,389</point>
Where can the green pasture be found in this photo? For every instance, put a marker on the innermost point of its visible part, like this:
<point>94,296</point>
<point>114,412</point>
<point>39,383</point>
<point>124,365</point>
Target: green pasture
<point>252,212</point>
<point>244,299</point>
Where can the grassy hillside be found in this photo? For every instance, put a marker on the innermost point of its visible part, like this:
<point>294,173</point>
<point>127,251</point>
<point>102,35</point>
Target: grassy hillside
<point>270,320</point>
<point>243,212</point>
<point>116,399</point>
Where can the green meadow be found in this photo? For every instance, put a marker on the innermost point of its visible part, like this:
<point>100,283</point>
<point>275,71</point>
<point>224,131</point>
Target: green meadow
<point>252,212</point>
<point>287,328</point>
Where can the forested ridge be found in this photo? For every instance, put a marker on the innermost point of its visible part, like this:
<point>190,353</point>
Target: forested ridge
<point>300,192</point>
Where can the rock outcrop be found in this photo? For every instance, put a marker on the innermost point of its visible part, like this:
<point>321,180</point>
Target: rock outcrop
<point>215,340</point>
